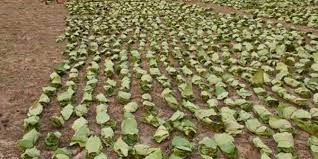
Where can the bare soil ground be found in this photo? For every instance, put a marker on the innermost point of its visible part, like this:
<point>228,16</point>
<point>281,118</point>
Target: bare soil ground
<point>28,53</point>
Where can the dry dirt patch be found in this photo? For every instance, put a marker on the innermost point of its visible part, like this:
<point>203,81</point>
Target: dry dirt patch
<point>28,52</point>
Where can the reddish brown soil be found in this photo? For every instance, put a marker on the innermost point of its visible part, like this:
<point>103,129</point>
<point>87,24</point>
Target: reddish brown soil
<point>28,29</point>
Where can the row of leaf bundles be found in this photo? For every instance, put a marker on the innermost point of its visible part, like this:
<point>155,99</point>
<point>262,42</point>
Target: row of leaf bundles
<point>151,115</point>
<point>285,143</point>
<point>282,92</point>
<point>109,70</point>
<point>254,125</point>
<point>302,89</point>
<point>154,70</point>
<point>51,142</point>
<point>84,138</point>
<point>129,130</point>
<point>312,142</point>
<point>66,97</point>
<point>103,119</point>
<point>138,151</point>
<point>265,151</point>
<point>227,118</point>
<point>177,121</point>
<point>308,121</point>
<point>208,147</point>
<point>213,118</point>
<point>32,121</point>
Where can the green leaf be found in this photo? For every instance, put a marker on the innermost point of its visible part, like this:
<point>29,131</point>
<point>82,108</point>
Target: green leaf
<point>78,123</point>
<point>123,97</point>
<point>55,79</point>
<point>93,145</point>
<point>284,156</point>
<point>142,150</point>
<point>110,86</point>
<point>230,123</point>
<point>129,129</point>
<point>57,121</point>
<point>212,103</point>
<point>259,144</point>
<point>152,119</point>
<point>44,99</point>
<point>109,67</point>
<point>244,116</point>
<point>282,125</point>
<point>121,148</point>
<point>285,141</point>
<point>256,127</point>
<point>243,93</point>
<point>186,90</point>
<point>190,106</point>
<point>67,111</point>
<point>135,56</point>
<point>61,156</point>
<point>157,154</point>
<point>181,146</point>
<point>169,98</point>
<point>29,139</point>
<point>31,153</point>
<point>161,134</point>
<point>49,90</point>
<point>186,71</point>
<point>285,111</point>
<point>225,143</point>
<point>87,97</point>
<point>208,148</point>
<point>154,72</point>
<point>107,134</point>
<point>237,47</point>
<point>102,118</point>
<point>301,114</point>
<point>66,97</point>
<point>273,102</point>
<point>208,116</point>
<point>52,140</point>
<point>101,98</point>
<point>93,46</point>
<point>80,136</point>
<point>221,92</point>
<point>125,84</point>
<point>62,153</point>
<point>31,122</point>
<point>315,99</point>
<point>312,142</point>
<point>291,82</point>
<point>35,109</point>
<point>315,67</point>
<point>101,108</point>
<point>81,110</point>
<point>131,107</point>
<point>258,78</point>
<point>101,156</point>
<point>262,112</point>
